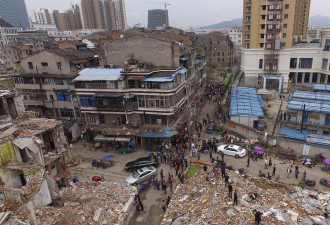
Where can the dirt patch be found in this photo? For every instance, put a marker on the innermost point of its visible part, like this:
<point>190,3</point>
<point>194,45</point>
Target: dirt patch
<point>266,185</point>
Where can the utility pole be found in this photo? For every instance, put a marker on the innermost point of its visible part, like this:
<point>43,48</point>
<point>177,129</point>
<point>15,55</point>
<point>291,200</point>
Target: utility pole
<point>302,118</point>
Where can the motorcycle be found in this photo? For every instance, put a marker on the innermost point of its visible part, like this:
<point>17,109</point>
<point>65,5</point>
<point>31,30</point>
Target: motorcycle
<point>324,182</point>
<point>144,185</point>
<point>309,183</point>
<point>263,175</point>
<point>307,163</point>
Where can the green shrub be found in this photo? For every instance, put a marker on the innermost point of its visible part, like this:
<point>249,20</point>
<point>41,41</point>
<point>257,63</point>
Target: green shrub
<point>228,80</point>
<point>191,171</point>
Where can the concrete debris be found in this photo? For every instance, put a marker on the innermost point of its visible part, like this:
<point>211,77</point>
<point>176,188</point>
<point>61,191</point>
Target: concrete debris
<point>76,160</point>
<point>81,205</point>
<point>278,205</point>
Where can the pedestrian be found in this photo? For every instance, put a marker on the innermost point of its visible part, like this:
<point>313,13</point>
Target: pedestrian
<point>71,146</point>
<point>288,170</point>
<point>235,197</point>
<point>257,217</point>
<point>274,170</point>
<point>208,177</point>
<point>176,169</point>
<point>198,156</point>
<point>182,178</point>
<point>164,205</point>
<point>223,169</point>
<point>216,170</point>
<point>230,190</point>
<point>291,162</point>
<point>325,214</point>
<point>296,171</point>
<point>165,186</point>
<point>170,181</point>
<point>226,180</point>
<point>248,161</point>
<point>215,164</point>
<point>161,174</point>
<point>211,156</point>
<point>266,163</point>
<point>156,183</point>
<point>304,175</point>
<point>168,200</point>
<point>222,155</point>
<point>270,162</point>
<point>141,205</point>
<point>205,168</point>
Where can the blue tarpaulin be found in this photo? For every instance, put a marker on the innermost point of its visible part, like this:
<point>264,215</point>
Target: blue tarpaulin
<point>166,133</point>
<point>108,157</point>
<point>293,134</point>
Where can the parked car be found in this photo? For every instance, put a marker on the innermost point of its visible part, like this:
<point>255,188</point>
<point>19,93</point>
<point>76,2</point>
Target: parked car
<point>233,150</point>
<point>210,128</point>
<point>141,175</point>
<point>139,163</point>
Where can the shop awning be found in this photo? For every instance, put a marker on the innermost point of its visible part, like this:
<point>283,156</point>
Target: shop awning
<point>103,138</point>
<point>123,139</point>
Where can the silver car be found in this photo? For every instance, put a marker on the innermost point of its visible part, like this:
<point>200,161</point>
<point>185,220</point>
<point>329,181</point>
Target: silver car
<point>141,175</point>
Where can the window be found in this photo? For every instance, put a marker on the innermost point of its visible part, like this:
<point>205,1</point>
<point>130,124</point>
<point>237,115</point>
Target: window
<point>307,76</point>
<point>263,17</point>
<point>261,61</point>
<point>284,35</point>
<point>59,66</point>
<point>248,18</point>
<point>67,113</point>
<point>306,63</point>
<point>63,96</point>
<point>293,63</point>
<point>263,26</point>
<point>30,65</point>
<point>287,6</point>
<point>247,36</point>
<point>44,64</point>
<point>283,44</point>
<point>327,45</point>
<point>87,100</point>
<point>247,45</point>
<point>262,35</point>
<point>324,64</point>
<point>247,27</point>
<point>322,79</point>
<point>264,7</point>
<point>210,42</point>
<point>205,48</point>
<point>261,45</point>
<point>285,25</point>
<point>314,78</point>
<point>248,8</point>
<point>286,16</point>
<point>299,78</point>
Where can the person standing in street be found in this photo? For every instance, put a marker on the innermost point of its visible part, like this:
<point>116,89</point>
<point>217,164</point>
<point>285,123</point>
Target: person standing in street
<point>274,170</point>
<point>164,206</point>
<point>296,171</point>
<point>235,197</point>
<point>223,169</point>
<point>226,180</point>
<point>257,217</point>
<point>222,155</point>
<point>168,200</point>
<point>230,190</point>
<point>248,161</point>
<point>266,163</point>
<point>211,156</point>
<point>182,178</point>
<point>288,170</point>
<point>270,162</point>
<point>304,175</point>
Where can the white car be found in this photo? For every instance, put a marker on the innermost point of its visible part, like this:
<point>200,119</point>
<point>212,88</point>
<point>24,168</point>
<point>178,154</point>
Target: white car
<point>233,150</point>
<point>141,175</point>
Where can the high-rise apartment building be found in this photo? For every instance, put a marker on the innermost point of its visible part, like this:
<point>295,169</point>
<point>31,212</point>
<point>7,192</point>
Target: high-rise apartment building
<point>104,14</point>
<point>42,16</point>
<point>271,27</point>
<point>68,20</point>
<point>14,12</point>
<point>157,18</point>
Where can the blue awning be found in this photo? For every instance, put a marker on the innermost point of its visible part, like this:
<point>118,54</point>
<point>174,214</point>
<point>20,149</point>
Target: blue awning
<point>108,95</point>
<point>166,133</point>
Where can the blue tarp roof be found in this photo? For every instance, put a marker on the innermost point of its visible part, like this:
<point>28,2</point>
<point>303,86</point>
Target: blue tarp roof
<point>321,87</point>
<point>319,139</point>
<point>320,107</point>
<point>293,134</point>
<point>198,62</point>
<point>261,101</point>
<point>165,79</point>
<point>245,101</point>
<point>99,74</point>
<point>166,133</point>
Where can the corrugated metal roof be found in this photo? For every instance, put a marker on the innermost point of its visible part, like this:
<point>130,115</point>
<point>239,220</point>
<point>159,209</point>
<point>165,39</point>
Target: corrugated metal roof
<point>321,87</point>
<point>311,95</point>
<point>261,101</point>
<point>245,101</point>
<point>99,75</point>
<point>320,107</point>
<point>293,134</point>
<point>319,139</point>
<point>157,79</point>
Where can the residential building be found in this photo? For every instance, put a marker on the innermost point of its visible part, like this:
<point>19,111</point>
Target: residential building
<point>8,34</point>
<point>218,48</point>
<point>14,12</point>
<point>70,20</point>
<point>314,32</point>
<point>44,27</point>
<point>42,16</point>
<point>11,106</point>
<point>273,29</point>
<point>13,53</point>
<point>159,48</point>
<point>157,18</point>
<point>104,14</point>
<point>235,35</point>
<point>46,81</point>
<point>32,34</point>
<point>118,13</point>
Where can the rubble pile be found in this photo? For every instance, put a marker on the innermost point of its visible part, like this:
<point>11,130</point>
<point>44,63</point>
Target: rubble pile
<point>27,168</point>
<point>76,160</point>
<point>89,203</point>
<point>198,201</point>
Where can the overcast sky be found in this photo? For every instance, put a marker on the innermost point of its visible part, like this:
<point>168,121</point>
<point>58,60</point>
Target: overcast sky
<point>181,12</point>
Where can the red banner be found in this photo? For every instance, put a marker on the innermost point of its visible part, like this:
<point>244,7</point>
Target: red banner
<point>232,125</point>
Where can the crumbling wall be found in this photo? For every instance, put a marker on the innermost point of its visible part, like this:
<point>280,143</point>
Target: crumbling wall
<point>8,153</point>
<point>42,198</point>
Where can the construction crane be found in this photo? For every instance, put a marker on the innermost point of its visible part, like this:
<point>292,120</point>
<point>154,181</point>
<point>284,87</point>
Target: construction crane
<point>156,3</point>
